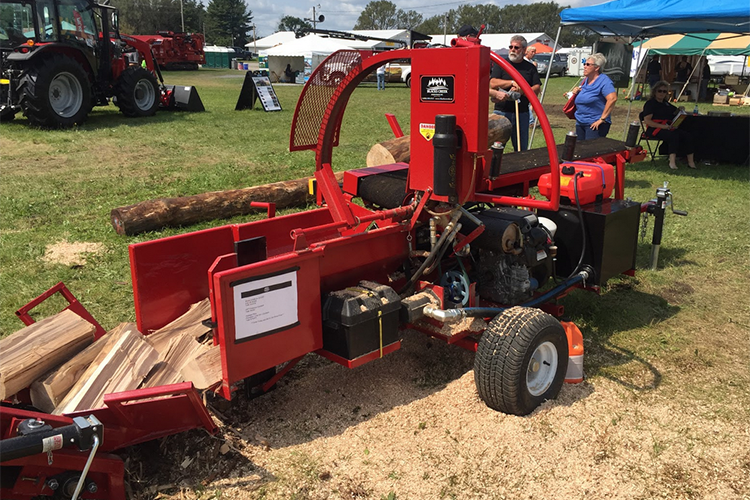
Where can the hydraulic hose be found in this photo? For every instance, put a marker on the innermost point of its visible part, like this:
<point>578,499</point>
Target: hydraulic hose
<point>436,252</point>
<point>451,315</point>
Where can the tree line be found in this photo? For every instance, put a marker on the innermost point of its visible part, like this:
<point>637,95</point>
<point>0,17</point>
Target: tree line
<point>514,18</point>
<point>229,22</point>
<point>224,22</point>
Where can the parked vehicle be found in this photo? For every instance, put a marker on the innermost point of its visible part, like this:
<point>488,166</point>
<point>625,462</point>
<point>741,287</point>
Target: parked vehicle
<point>559,64</point>
<point>395,72</point>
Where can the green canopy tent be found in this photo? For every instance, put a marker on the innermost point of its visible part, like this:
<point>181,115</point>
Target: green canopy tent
<point>696,44</point>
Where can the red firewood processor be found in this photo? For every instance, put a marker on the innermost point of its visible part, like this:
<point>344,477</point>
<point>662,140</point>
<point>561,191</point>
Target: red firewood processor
<point>454,244</point>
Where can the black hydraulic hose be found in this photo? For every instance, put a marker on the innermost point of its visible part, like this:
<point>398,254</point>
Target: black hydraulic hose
<point>583,227</point>
<point>427,262</point>
<point>489,312</point>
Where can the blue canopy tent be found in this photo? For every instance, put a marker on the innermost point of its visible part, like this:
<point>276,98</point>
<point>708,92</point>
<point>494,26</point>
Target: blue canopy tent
<point>639,19</point>
<point>645,18</point>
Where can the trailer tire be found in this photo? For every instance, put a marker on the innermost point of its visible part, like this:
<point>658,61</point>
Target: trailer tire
<point>521,360</point>
<point>55,92</point>
<point>137,92</point>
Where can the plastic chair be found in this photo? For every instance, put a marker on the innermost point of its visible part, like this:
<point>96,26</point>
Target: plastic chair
<point>648,139</point>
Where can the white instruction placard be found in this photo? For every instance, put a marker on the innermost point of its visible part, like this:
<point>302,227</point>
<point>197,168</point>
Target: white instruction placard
<point>265,305</point>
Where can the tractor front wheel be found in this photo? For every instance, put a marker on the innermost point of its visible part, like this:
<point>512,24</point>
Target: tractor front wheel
<point>55,92</point>
<point>137,92</point>
<point>521,360</point>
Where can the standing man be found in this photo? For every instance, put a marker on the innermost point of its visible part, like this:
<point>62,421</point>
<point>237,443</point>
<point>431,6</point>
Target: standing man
<point>653,71</point>
<point>683,69</point>
<point>705,77</point>
<point>501,82</point>
<point>380,72</point>
<point>530,53</point>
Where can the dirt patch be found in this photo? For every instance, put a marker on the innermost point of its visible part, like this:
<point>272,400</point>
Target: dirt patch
<point>678,293</point>
<point>71,254</point>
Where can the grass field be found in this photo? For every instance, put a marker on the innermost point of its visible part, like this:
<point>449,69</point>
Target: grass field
<point>680,331</point>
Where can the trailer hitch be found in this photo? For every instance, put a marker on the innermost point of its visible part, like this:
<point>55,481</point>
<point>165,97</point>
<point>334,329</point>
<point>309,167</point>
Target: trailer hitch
<point>657,208</point>
<point>36,436</point>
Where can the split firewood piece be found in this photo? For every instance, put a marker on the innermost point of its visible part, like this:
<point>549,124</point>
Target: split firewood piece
<point>189,323</point>
<point>49,391</point>
<point>33,351</point>
<point>122,364</point>
<point>205,370</point>
<point>181,350</point>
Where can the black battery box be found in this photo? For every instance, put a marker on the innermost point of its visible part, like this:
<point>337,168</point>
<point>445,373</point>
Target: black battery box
<point>611,237</point>
<point>360,319</point>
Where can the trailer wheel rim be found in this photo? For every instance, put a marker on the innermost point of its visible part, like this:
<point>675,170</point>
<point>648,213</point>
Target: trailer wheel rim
<point>65,95</point>
<point>541,369</point>
<point>144,94</point>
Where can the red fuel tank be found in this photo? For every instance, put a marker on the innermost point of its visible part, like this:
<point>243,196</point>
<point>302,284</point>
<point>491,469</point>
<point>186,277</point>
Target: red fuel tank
<point>596,183</point>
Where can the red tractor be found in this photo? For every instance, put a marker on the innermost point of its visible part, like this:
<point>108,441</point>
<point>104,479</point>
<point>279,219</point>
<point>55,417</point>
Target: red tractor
<point>61,58</point>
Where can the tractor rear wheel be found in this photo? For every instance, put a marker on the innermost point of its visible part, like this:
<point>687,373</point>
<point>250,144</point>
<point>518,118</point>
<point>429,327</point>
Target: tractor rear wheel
<point>55,92</point>
<point>137,92</point>
<point>521,360</point>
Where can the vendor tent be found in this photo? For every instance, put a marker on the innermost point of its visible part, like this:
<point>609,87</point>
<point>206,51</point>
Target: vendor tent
<point>541,48</point>
<point>302,54</point>
<point>694,44</point>
<point>639,18</point>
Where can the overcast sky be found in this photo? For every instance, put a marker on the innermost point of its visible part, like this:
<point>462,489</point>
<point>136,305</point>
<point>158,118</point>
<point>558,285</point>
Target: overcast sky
<point>343,14</point>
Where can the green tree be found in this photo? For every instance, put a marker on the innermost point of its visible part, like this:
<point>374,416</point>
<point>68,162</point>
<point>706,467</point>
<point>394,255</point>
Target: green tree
<point>228,22</point>
<point>291,23</point>
<point>408,19</point>
<point>384,15</point>
<point>142,17</point>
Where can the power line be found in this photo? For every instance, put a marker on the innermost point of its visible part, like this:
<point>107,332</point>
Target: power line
<point>408,8</point>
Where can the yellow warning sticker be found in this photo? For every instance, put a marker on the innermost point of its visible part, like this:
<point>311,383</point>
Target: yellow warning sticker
<point>427,130</point>
<point>564,181</point>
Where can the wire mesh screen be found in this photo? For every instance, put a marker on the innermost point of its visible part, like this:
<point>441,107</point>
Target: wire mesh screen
<point>317,95</point>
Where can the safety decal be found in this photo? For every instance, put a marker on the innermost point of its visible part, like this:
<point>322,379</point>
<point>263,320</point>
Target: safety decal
<point>427,130</point>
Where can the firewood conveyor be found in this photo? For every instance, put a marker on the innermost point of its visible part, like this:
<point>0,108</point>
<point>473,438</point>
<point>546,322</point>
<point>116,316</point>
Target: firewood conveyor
<point>456,244</point>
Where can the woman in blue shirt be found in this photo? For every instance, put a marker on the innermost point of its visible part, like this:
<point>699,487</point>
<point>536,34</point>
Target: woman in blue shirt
<point>595,100</point>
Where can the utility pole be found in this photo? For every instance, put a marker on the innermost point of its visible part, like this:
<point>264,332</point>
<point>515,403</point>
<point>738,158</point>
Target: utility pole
<point>255,41</point>
<point>316,19</point>
<point>182,17</point>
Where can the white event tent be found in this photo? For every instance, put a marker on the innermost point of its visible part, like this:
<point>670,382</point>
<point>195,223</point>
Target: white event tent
<point>301,52</point>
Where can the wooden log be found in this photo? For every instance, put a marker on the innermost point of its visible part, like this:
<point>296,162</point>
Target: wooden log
<point>33,351</point>
<point>397,150</point>
<point>152,215</point>
<point>189,323</point>
<point>205,370</point>
<point>180,350</point>
<point>122,364</point>
<point>49,391</point>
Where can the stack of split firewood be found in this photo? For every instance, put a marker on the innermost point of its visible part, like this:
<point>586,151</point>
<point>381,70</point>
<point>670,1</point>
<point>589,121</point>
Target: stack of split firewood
<point>66,371</point>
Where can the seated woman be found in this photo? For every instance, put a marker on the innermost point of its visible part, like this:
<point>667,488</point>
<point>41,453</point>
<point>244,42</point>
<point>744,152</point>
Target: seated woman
<point>658,114</point>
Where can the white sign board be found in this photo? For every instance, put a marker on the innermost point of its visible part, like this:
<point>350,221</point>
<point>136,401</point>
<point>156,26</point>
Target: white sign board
<point>266,305</point>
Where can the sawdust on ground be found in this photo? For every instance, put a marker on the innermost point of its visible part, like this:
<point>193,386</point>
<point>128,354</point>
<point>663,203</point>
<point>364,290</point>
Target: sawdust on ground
<point>411,426</point>
<point>71,254</point>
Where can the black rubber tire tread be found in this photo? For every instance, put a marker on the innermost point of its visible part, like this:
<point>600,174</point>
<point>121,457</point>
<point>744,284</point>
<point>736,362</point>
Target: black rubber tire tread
<point>125,88</point>
<point>408,81</point>
<point>503,355</point>
<point>34,92</point>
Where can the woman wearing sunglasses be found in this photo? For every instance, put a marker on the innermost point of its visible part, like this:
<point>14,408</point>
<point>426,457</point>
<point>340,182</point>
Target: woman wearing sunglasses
<point>658,114</point>
<point>595,100</point>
